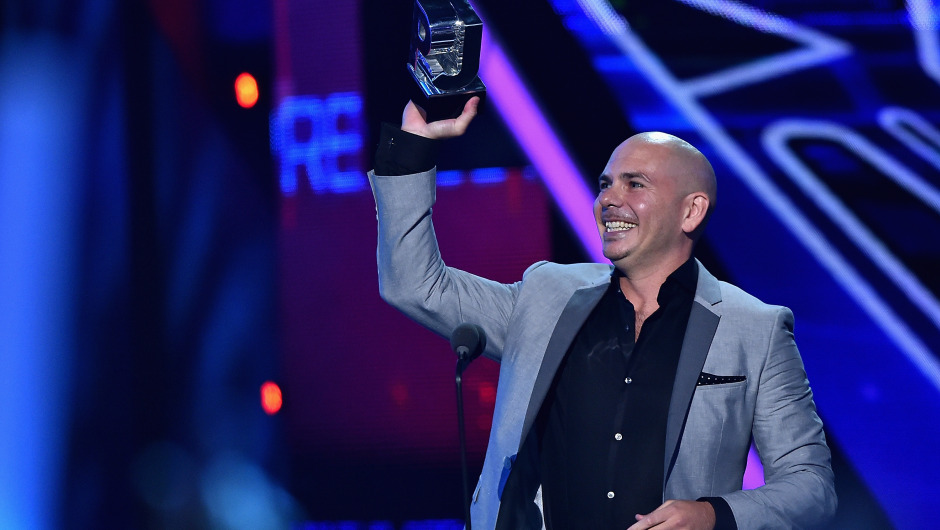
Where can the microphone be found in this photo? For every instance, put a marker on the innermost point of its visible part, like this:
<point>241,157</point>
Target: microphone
<point>468,341</point>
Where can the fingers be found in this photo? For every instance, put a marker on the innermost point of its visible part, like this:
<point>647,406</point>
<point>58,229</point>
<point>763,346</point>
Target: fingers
<point>674,514</point>
<point>457,126</point>
<point>414,120</point>
<point>644,521</point>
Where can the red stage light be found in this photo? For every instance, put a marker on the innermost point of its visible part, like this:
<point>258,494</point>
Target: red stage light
<point>271,399</point>
<point>246,90</point>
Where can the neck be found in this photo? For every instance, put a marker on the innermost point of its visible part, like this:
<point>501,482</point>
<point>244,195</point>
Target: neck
<point>642,293</point>
<point>640,285</point>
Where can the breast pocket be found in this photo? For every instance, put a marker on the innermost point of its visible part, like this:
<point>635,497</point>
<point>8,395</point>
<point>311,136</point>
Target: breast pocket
<point>719,420</point>
<point>718,409</point>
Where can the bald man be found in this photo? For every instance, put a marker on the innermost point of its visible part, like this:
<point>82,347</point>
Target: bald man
<point>628,392</point>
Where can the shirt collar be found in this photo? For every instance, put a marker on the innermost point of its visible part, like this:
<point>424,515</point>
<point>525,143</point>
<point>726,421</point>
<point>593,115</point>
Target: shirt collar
<point>685,277</point>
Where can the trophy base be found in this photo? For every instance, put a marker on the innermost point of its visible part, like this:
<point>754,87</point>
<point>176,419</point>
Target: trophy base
<point>444,104</point>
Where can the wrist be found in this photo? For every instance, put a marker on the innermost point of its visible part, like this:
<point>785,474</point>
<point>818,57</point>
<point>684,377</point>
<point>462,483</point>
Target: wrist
<point>710,513</point>
<point>723,516</point>
<point>415,131</point>
<point>401,152</point>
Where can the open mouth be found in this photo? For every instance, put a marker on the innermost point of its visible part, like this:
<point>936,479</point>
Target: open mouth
<point>619,226</point>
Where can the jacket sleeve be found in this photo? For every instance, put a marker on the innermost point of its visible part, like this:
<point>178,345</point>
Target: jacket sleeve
<point>414,278</point>
<point>799,490</point>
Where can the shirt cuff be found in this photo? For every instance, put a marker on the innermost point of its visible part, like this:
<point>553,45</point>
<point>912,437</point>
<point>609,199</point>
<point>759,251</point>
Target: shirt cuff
<point>403,153</point>
<point>724,517</point>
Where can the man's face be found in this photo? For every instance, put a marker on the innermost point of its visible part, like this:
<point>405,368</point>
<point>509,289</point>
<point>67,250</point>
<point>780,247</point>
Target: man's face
<point>639,205</point>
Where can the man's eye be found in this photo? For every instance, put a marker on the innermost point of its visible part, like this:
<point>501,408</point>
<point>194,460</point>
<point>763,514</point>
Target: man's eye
<point>635,184</point>
<point>604,185</point>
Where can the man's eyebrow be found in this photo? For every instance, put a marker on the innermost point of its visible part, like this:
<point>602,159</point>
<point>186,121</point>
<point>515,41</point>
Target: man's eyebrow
<point>634,174</point>
<point>626,175</point>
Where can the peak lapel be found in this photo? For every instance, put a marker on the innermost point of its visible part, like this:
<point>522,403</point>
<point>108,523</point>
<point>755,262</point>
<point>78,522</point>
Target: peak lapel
<point>703,321</point>
<point>579,306</point>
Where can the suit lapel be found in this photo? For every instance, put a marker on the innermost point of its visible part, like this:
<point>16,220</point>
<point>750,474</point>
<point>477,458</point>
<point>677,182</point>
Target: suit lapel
<point>703,321</point>
<point>579,306</point>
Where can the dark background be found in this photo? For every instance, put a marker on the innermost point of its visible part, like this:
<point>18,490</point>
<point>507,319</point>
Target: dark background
<point>163,251</point>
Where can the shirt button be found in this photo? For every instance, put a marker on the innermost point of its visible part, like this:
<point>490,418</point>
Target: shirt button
<point>610,495</point>
<point>618,437</point>
<point>628,380</point>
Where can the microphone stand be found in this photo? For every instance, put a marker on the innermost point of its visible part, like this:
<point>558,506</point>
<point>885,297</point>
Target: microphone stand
<point>462,363</point>
<point>468,341</point>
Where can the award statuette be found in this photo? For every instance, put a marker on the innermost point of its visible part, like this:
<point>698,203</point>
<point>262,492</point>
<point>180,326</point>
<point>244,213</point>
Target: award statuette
<point>445,56</point>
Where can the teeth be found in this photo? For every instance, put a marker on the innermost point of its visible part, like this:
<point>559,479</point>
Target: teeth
<point>615,226</point>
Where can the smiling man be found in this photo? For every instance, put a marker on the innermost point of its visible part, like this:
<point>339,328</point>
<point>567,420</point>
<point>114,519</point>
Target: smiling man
<point>628,394</point>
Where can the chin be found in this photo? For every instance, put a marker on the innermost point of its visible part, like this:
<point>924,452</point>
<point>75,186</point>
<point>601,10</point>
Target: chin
<point>614,255</point>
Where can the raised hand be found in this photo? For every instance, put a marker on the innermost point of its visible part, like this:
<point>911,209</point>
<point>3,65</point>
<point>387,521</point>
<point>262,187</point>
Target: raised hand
<point>413,120</point>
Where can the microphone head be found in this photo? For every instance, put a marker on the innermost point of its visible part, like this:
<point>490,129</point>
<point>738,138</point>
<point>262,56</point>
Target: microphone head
<point>468,341</point>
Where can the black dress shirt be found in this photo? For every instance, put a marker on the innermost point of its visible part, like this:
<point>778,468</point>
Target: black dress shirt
<point>602,428</point>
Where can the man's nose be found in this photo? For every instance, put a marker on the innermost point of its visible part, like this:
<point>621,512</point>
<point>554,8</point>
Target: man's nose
<point>608,198</point>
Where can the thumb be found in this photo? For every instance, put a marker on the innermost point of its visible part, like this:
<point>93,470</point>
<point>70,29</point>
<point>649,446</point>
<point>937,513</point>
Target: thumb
<point>469,112</point>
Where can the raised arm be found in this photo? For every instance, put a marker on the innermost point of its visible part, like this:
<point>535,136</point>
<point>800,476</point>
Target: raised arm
<point>412,275</point>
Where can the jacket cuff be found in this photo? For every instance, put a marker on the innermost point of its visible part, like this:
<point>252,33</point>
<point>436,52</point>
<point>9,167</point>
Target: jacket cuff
<point>403,153</point>
<point>724,517</point>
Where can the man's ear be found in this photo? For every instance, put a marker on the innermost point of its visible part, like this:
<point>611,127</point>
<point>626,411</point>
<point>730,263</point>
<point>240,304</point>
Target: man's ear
<point>695,212</point>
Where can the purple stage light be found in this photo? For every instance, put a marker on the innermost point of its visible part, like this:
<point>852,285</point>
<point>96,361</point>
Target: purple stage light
<point>538,141</point>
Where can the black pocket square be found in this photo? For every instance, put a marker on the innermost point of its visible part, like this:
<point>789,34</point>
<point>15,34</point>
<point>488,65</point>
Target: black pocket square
<point>706,379</point>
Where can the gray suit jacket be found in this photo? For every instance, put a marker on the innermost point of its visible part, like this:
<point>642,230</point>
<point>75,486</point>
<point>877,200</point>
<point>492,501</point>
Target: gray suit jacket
<point>530,324</point>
